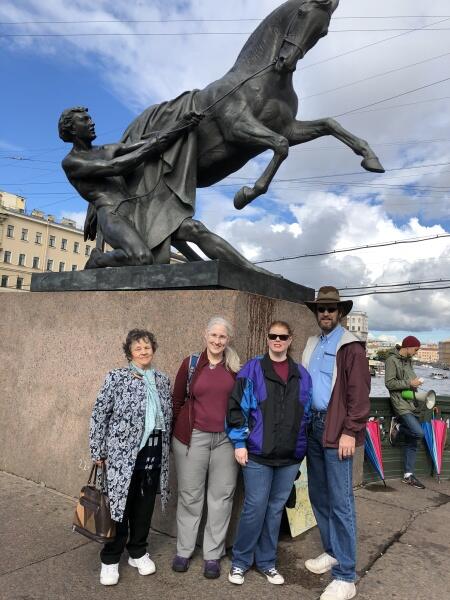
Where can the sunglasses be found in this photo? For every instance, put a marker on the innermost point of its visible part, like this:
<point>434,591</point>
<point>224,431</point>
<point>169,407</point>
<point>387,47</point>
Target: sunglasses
<point>328,309</point>
<point>281,336</point>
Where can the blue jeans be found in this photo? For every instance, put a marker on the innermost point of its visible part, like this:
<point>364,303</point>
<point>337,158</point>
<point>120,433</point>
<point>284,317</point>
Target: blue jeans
<point>413,433</point>
<point>330,484</point>
<point>266,492</point>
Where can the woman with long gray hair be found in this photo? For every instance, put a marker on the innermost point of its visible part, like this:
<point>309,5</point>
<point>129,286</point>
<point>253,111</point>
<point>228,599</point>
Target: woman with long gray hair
<point>202,449</point>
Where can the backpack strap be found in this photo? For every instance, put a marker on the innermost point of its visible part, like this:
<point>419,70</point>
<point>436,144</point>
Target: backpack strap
<point>193,360</point>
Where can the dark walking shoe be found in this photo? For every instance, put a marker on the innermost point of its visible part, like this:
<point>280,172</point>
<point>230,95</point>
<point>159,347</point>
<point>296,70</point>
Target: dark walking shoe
<point>394,431</point>
<point>412,480</point>
<point>211,569</point>
<point>180,564</point>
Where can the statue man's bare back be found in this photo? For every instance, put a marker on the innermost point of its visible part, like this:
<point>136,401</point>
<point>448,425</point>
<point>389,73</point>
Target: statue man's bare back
<point>96,172</point>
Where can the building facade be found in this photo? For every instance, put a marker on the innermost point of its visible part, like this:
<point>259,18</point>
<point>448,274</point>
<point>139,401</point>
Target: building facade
<point>428,353</point>
<point>358,323</point>
<point>444,352</point>
<point>35,243</point>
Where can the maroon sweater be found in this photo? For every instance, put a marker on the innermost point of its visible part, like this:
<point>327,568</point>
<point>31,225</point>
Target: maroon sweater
<point>205,408</point>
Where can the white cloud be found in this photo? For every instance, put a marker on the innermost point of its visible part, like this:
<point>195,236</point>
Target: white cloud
<point>304,215</point>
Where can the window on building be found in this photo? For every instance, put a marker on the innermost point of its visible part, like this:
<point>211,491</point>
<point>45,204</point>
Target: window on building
<point>52,241</point>
<point>63,244</point>
<point>10,231</point>
<point>76,247</point>
<point>87,251</point>
<point>38,239</point>
<point>7,256</point>
<point>24,235</point>
<point>74,268</point>
<point>19,284</point>
<point>36,262</point>
<point>62,266</point>
<point>49,265</point>
<point>4,281</point>
<point>21,260</point>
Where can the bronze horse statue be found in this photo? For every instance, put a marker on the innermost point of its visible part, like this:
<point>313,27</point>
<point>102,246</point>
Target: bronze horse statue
<point>251,109</point>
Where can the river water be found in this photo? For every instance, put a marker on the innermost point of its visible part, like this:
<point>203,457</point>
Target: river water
<point>440,386</point>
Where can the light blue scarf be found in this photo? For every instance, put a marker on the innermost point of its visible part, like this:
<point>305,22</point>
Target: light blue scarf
<point>154,418</point>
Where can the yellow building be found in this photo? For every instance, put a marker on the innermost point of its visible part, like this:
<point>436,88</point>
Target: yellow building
<point>428,353</point>
<point>34,243</point>
<point>444,352</point>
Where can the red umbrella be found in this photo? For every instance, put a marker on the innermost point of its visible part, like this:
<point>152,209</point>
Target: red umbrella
<point>435,436</point>
<point>372,446</point>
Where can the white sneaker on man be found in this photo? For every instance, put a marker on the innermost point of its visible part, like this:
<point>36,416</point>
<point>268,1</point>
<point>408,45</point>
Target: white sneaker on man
<point>109,574</point>
<point>321,564</point>
<point>339,590</point>
<point>144,565</point>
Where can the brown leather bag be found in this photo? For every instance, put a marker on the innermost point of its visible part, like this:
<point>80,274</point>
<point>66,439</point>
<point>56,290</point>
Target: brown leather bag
<point>92,514</point>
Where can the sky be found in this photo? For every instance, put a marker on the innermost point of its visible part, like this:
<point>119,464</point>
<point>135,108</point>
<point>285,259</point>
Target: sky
<point>385,64</point>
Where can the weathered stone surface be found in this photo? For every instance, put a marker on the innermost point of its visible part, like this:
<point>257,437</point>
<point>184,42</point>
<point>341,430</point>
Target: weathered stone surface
<point>197,275</point>
<point>60,346</point>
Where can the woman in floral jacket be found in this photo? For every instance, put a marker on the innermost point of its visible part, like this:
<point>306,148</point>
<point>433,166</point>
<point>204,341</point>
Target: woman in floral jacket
<point>130,437</point>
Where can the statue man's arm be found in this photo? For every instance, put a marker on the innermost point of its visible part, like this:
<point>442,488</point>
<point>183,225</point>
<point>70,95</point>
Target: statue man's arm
<point>85,166</point>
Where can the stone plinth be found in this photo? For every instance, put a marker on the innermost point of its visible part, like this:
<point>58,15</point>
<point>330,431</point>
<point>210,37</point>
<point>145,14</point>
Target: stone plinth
<point>211,274</point>
<point>57,347</point>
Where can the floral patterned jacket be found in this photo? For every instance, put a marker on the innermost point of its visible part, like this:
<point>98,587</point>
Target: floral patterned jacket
<point>117,427</point>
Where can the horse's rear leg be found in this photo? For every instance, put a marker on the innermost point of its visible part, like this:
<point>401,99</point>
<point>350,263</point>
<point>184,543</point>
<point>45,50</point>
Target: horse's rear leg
<point>252,133</point>
<point>305,131</point>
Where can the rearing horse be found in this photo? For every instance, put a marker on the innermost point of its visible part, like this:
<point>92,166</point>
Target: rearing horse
<point>249,110</point>
<point>260,115</point>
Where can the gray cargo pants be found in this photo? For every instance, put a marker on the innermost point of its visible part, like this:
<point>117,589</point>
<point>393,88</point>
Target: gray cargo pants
<point>210,456</point>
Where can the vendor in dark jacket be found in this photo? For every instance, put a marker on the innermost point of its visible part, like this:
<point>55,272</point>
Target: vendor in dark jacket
<point>339,369</point>
<point>267,420</point>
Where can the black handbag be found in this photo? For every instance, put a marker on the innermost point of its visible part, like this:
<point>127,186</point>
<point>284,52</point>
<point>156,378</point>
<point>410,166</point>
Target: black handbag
<point>92,514</point>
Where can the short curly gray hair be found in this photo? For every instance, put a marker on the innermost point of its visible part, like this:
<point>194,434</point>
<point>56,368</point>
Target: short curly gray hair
<point>65,122</point>
<point>134,336</point>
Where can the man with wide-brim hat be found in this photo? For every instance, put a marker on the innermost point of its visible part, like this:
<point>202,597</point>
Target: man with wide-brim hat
<point>336,360</point>
<point>330,295</point>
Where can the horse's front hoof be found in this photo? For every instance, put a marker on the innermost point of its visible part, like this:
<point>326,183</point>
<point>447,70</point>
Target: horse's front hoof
<point>373,165</point>
<point>241,198</point>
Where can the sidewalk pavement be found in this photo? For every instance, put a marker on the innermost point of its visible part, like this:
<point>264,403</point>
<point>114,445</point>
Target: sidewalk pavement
<point>403,552</point>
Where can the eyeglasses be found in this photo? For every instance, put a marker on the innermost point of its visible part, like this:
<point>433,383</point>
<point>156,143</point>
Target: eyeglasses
<point>281,336</point>
<point>328,309</point>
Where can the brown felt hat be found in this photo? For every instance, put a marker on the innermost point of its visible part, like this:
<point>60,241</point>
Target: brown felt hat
<point>330,295</point>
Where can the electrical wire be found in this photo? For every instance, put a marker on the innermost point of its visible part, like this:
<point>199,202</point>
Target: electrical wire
<point>423,87</point>
<point>354,248</point>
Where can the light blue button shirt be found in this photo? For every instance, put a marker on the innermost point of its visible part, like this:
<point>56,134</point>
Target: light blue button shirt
<point>321,366</point>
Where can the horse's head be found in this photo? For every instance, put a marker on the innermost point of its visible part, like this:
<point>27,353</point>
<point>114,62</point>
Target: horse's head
<point>307,26</point>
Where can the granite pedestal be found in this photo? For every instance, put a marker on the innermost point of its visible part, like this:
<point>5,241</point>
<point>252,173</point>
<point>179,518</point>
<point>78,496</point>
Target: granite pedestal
<point>57,347</point>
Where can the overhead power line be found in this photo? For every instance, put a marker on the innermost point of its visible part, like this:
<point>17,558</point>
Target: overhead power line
<point>352,249</point>
<point>238,20</point>
<point>414,289</point>
<point>376,76</point>
<point>382,41</point>
<point>189,33</point>
<point>423,87</point>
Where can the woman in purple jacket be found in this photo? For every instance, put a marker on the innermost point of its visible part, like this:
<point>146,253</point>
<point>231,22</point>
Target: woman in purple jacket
<point>267,419</point>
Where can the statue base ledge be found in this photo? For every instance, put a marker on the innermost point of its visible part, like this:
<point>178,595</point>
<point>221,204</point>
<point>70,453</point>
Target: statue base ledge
<point>203,275</point>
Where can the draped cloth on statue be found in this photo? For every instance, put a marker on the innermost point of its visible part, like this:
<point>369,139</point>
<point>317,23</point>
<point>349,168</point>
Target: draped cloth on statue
<point>164,189</point>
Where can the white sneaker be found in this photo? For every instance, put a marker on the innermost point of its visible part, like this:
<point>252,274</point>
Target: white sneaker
<point>273,576</point>
<point>339,590</point>
<point>321,564</point>
<point>109,574</point>
<point>236,575</point>
<point>144,565</point>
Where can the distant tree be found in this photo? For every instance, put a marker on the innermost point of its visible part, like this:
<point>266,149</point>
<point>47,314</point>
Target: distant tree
<point>382,354</point>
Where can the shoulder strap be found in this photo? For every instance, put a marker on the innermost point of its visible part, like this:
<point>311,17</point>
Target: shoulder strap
<point>193,360</point>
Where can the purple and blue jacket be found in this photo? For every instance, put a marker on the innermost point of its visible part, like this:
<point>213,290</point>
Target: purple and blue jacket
<point>268,416</point>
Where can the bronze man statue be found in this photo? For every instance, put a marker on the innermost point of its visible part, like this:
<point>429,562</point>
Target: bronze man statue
<point>97,172</point>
